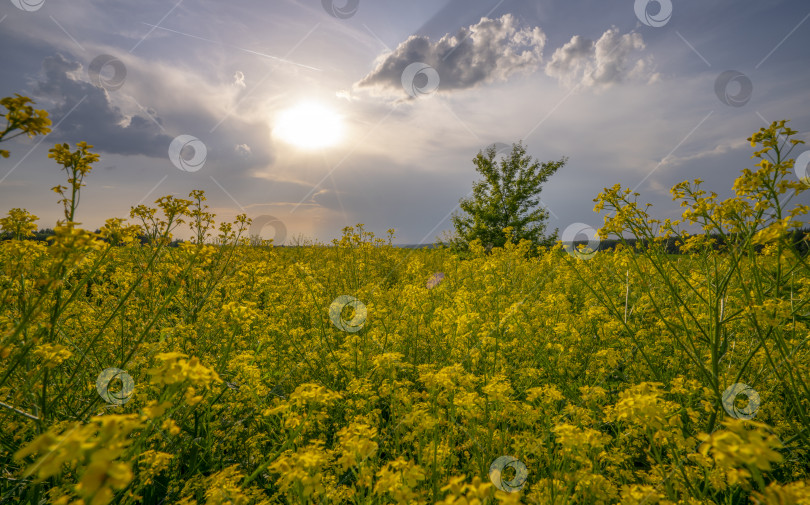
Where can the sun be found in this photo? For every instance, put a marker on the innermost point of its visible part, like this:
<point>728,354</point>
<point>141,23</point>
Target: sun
<point>309,125</point>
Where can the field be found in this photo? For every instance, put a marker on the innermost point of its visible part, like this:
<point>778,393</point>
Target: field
<point>219,372</point>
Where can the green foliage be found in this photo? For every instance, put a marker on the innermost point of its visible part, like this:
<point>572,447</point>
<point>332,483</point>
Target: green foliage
<point>507,198</point>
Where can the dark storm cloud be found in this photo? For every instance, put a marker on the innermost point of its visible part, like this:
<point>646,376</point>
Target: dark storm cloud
<point>84,112</point>
<point>491,50</point>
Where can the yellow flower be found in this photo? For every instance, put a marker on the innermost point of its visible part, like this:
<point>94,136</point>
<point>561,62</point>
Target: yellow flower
<point>170,426</point>
<point>640,494</point>
<point>175,368</point>
<point>356,443</point>
<point>154,409</point>
<point>549,394</point>
<point>742,445</point>
<point>19,223</point>
<point>52,355</point>
<point>794,493</point>
<point>112,475</point>
<point>579,440</point>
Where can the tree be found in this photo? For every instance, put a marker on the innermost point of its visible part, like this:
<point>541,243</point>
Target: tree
<point>507,197</point>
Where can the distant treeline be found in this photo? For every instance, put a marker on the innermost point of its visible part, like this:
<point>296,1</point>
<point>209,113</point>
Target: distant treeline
<point>671,245</point>
<point>44,235</point>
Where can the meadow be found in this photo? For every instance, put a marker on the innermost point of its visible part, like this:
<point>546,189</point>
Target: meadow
<point>357,372</point>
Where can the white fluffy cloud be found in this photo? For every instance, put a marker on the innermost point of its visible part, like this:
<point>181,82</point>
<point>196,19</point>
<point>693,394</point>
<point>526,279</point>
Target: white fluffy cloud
<point>604,62</point>
<point>491,50</point>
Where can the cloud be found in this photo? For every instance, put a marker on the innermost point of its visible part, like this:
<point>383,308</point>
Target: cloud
<point>242,150</point>
<point>719,150</point>
<point>601,63</point>
<point>491,50</point>
<point>84,113</point>
<point>239,79</point>
<point>115,122</point>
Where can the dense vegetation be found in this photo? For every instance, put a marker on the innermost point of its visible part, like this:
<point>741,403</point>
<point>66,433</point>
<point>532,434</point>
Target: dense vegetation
<point>508,196</point>
<point>217,372</point>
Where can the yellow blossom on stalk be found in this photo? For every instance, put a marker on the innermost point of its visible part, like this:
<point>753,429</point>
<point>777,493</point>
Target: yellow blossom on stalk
<point>19,223</point>
<point>548,395</point>
<point>474,493</point>
<point>773,232</point>
<point>95,447</point>
<point>399,478</point>
<point>151,464</point>
<point>548,491</point>
<point>61,495</point>
<point>191,397</point>
<point>357,444</point>
<point>154,409</point>
<point>742,447</point>
<point>794,493</point>
<point>470,404</point>
<point>302,468</point>
<point>238,313</point>
<point>596,489</point>
<point>448,378</point>
<point>21,116</point>
<point>52,355</point>
<point>312,394</point>
<point>643,405</point>
<point>389,362</point>
<point>170,426</point>
<point>176,368</point>
<point>682,385</point>
<point>420,419</point>
<point>77,165</point>
<point>101,478</point>
<point>579,441</point>
<point>73,243</point>
<point>498,389</point>
<point>640,494</point>
<point>772,312</point>
<point>280,408</point>
<point>224,487</point>
<point>593,394</point>
<point>116,233</point>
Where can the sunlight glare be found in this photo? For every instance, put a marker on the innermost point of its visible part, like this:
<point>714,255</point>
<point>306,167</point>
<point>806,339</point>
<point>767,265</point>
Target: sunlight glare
<point>309,125</point>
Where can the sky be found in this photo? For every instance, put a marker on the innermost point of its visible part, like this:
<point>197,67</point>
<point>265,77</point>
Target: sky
<point>309,116</point>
